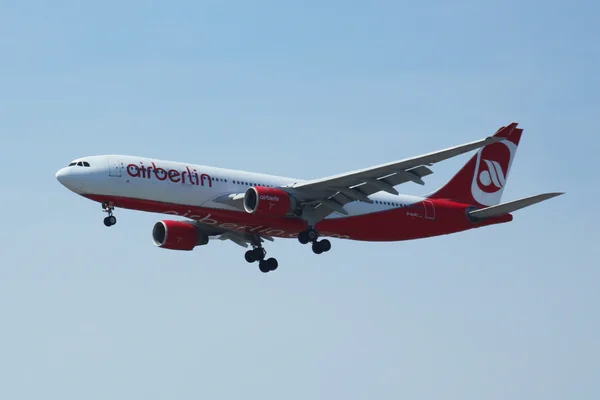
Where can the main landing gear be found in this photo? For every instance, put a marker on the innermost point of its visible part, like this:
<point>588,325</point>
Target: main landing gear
<point>258,253</point>
<point>311,235</point>
<point>108,208</point>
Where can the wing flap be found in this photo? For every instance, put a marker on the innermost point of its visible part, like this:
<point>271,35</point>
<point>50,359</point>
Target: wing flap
<point>361,192</point>
<point>243,239</point>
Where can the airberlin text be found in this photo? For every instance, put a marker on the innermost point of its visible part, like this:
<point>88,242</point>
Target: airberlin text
<point>187,176</point>
<point>269,198</point>
<point>209,220</point>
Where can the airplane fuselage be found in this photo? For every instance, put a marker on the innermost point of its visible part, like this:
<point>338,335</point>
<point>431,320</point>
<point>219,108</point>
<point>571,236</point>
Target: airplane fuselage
<point>192,191</point>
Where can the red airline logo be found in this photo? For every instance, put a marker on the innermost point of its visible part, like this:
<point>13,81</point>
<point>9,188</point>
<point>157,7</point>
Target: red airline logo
<point>493,167</point>
<point>188,176</point>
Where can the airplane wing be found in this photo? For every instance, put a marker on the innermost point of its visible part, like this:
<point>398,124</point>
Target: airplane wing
<point>330,194</point>
<point>243,239</point>
<point>338,194</point>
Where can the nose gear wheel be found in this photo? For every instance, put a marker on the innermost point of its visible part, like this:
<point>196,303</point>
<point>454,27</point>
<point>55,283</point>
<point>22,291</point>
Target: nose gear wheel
<point>108,208</point>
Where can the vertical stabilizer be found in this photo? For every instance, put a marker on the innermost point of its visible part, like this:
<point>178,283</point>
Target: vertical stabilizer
<point>482,180</point>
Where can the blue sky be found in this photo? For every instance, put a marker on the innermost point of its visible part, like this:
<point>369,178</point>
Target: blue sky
<point>304,89</point>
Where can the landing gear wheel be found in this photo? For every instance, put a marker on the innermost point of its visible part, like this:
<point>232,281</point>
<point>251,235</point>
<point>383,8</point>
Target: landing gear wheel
<point>264,267</point>
<point>316,248</point>
<point>270,264</point>
<point>110,221</point>
<point>303,237</point>
<point>321,246</point>
<point>325,245</point>
<point>309,235</point>
<point>259,253</point>
<point>249,256</point>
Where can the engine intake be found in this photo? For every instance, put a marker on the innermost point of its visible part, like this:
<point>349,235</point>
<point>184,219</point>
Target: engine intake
<point>177,235</point>
<point>268,201</point>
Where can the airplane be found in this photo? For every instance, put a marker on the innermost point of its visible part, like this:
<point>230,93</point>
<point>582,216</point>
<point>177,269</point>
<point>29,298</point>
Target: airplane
<point>250,208</point>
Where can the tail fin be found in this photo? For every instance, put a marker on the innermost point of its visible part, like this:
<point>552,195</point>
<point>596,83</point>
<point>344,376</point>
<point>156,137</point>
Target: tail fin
<point>483,178</point>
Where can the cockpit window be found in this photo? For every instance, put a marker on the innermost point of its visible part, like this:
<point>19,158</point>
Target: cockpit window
<point>79,164</point>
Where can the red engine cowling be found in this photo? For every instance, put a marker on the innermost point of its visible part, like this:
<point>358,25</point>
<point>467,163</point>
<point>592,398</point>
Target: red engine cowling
<point>177,235</point>
<point>268,201</point>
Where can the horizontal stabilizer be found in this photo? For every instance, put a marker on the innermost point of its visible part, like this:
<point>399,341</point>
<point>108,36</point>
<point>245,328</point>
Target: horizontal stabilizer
<point>505,208</point>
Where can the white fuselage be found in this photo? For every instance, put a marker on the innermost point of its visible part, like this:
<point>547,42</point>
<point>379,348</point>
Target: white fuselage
<point>187,184</point>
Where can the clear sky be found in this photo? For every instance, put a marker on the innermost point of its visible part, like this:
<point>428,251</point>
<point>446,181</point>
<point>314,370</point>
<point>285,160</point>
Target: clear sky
<point>304,89</point>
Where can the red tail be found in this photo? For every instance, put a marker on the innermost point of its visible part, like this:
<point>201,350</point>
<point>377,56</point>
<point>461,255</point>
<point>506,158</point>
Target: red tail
<point>483,178</point>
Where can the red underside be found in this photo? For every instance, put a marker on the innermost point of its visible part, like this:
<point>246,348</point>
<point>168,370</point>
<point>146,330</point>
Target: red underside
<point>425,219</point>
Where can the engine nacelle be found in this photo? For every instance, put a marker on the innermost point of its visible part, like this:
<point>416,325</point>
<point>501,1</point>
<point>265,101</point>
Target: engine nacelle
<point>268,201</point>
<point>177,235</point>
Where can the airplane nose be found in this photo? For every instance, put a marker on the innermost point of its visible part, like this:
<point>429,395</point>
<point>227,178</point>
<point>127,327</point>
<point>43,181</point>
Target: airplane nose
<point>72,179</point>
<point>66,178</point>
<point>60,175</point>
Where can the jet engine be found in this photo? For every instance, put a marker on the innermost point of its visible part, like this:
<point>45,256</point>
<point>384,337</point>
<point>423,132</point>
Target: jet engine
<point>268,201</point>
<point>177,235</point>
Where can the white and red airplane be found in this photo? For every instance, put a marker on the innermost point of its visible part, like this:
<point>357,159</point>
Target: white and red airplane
<point>249,208</point>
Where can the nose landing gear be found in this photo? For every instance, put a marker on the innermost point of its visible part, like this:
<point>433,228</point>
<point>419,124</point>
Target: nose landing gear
<point>108,208</point>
